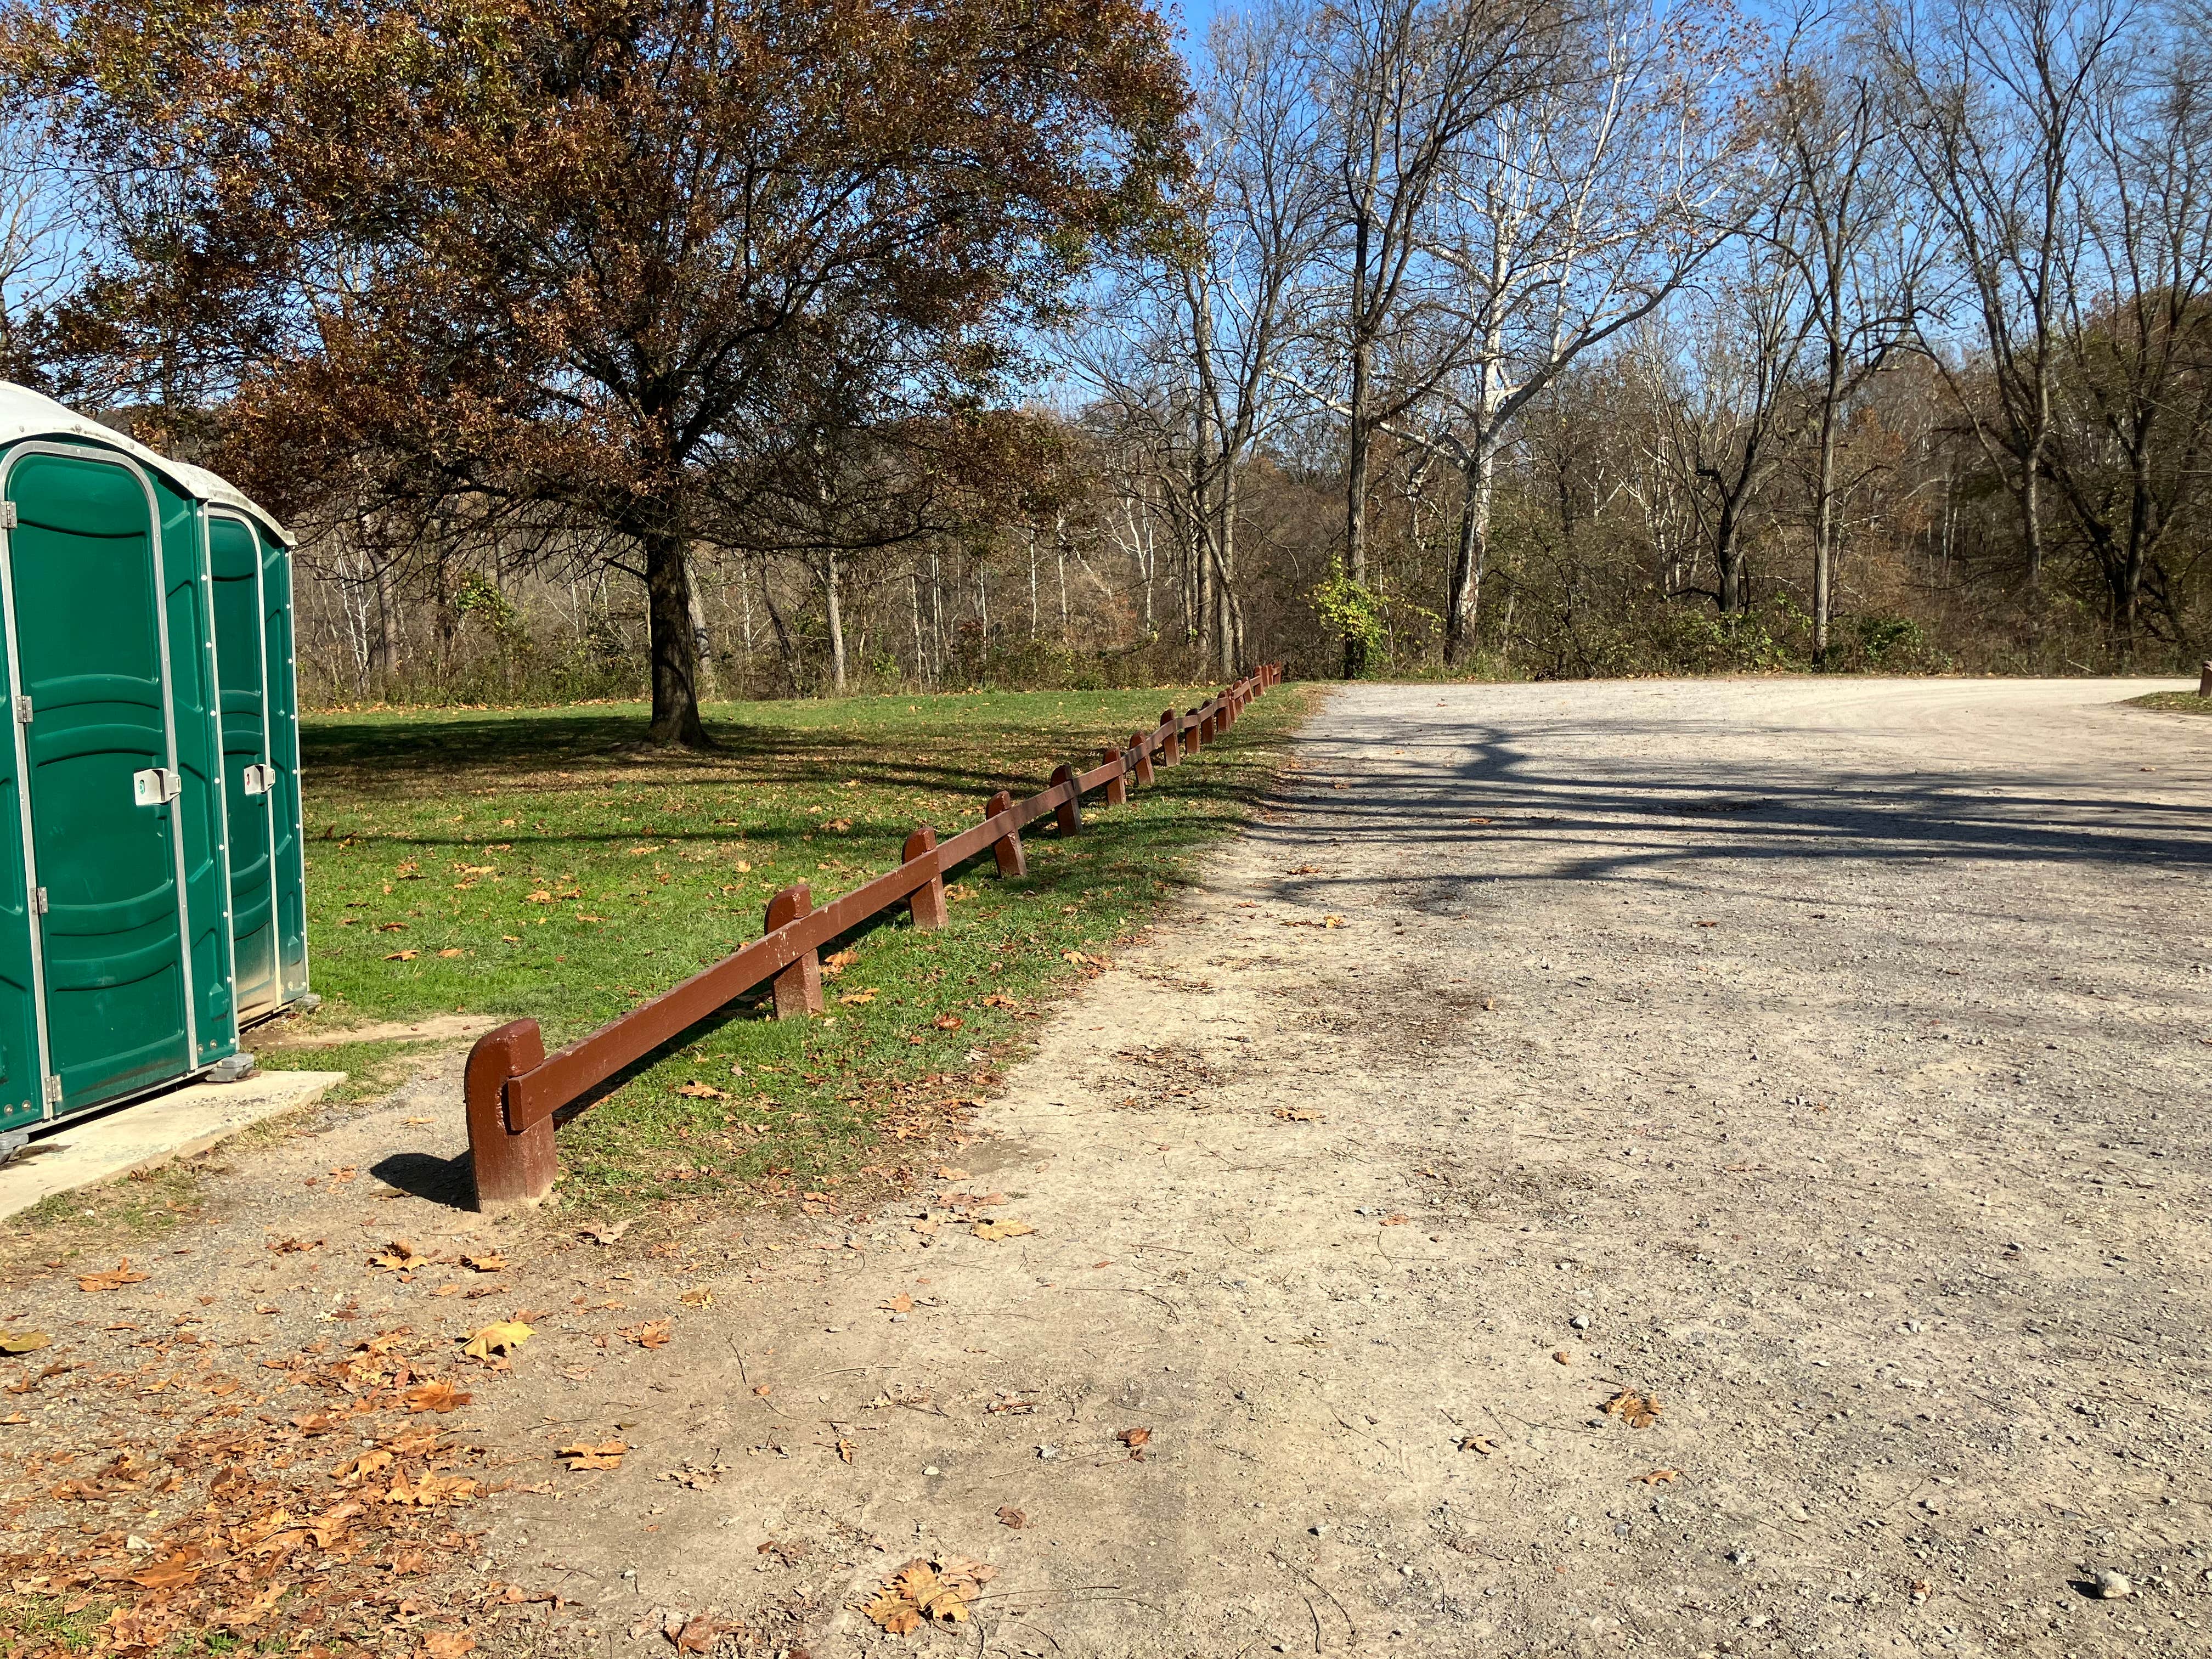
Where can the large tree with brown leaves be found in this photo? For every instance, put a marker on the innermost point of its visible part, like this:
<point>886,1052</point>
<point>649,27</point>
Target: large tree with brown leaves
<point>487,256</point>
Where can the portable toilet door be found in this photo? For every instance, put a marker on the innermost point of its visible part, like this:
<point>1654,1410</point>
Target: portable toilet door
<point>249,563</point>
<point>96,777</point>
<point>249,560</point>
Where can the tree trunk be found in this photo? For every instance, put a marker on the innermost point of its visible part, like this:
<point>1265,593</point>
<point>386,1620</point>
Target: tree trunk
<point>1355,505</point>
<point>1824,518</point>
<point>1059,551</point>
<point>1464,608</point>
<point>671,645</point>
<point>1231,615</point>
<point>833,601</point>
<point>702,639</point>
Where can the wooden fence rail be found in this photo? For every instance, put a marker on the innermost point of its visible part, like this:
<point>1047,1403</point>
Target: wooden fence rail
<point>514,1087</point>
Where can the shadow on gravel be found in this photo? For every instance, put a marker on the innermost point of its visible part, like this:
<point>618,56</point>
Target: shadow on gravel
<point>1725,812</point>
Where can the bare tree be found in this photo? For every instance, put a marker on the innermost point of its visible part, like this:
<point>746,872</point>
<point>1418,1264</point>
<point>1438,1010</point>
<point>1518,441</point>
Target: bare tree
<point>1994,98</point>
<point>1565,218</point>
<point>2134,330</point>
<point>34,242</point>
<point>1403,84</point>
<point>1861,264</point>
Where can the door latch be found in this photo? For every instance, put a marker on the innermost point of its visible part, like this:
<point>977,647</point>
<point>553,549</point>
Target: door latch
<point>260,779</point>
<point>156,786</point>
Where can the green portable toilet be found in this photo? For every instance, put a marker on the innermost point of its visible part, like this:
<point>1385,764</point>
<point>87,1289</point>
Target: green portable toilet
<point>250,564</point>
<point>116,916</point>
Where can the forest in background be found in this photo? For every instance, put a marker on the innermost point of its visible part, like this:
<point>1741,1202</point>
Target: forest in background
<point>602,355</point>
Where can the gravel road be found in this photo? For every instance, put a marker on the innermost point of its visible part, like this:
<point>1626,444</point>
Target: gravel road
<point>1813,1072</point>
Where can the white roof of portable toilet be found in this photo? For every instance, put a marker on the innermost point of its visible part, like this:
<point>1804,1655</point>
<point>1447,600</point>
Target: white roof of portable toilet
<point>219,491</point>
<point>27,414</point>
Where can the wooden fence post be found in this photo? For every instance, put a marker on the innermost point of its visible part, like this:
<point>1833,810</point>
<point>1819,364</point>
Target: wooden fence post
<point>1117,787</point>
<point>1170,747</point>
<point>798,989</point>
<point>1068,815</point>
<point>508,1169</point>
<point>2204,680</point>
<point>1145,777</point>
<point>1007,849</point>
<point>927,905</point>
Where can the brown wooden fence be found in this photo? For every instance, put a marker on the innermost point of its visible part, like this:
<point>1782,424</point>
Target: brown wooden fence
<point>514,1087</point>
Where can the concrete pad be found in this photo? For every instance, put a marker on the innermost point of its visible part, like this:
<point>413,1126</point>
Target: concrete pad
<point>149,1132</point>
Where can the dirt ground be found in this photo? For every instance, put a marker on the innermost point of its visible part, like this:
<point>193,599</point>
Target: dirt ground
<point>1812,1072</point>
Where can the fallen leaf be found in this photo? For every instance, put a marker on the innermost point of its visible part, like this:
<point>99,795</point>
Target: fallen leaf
<point>484,1264</point>
<point>948,1022</point>
<point>1393,1221</point>
<point>1001,1229</point>
<point>175,1573</point>
<point>1659,1477</point>
<point>698,1297</point>
<point>1638,1410</point>
<point>1298,1115</point>
<point>695,1090</point>
<point>502,1336</point>
<point>946,1172</point>
<point>401,956</point>
<point>900,1304</point>
<point>436,1396</point>
<point>398,1255</point>
<point>1011,1516</point>
<point>604,1232</point>
<point>1561,1357</point>
<point>23,1342</point>
<point>1475,1443</point>
<point>607,1455</point>
<point>697,1634</point>
<point>837,961</point>
<point>390,927</point>
<point>923,1590</point>
<point>1134,1438</point>
<point>446,1643</point>
<point>1000,1000</point>
<point>652,1334</point>
<point>113,1280</point>
<point>859,998</point>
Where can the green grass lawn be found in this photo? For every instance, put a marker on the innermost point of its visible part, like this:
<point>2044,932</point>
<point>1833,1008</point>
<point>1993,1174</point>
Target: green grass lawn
<point>2175,702</point>
<point>541,862</point>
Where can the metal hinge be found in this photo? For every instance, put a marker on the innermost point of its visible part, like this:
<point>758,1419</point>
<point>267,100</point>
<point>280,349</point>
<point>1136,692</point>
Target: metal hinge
<point>53,1091</point>
<point>22,711</point>
<point>38,906</point>
<point>7,519</point>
